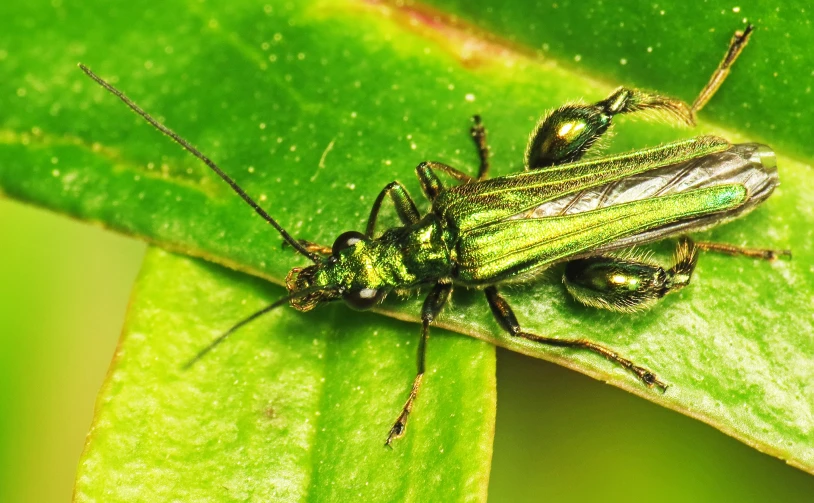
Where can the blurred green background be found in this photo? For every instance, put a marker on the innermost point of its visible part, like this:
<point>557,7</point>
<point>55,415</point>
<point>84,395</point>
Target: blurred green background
<point>561,436</point>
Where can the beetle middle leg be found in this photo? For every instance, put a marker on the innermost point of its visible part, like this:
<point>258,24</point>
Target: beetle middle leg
<point>430,183</point>
<point>508,321</point>
<point>311,246</point>
<point>432,307</point>
<point>405,206</point>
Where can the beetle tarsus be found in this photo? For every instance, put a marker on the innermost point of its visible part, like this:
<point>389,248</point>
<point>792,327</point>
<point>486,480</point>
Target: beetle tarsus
<point>758,253</point>
<point>397,431</point>
<point>648,378</point>
<point>478,133</point>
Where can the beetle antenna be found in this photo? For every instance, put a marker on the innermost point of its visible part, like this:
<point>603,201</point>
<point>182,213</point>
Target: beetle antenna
<point>189,148</point>
<point>222,337</point>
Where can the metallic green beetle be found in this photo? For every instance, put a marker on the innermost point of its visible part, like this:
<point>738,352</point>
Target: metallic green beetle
<point>484,233</point>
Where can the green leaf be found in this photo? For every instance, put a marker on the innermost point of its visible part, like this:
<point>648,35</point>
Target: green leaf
<point>673,47</point>
<point>289,411</point>
<point>314,108</point>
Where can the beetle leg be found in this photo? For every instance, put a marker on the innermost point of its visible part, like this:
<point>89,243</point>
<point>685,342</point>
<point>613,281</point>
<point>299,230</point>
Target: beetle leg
<point>747,252</point>
<point>432,306</point>
<point>311,247</point>
<point>507,320</point>
<point>567,133</point>
<point>628,284</point>
<point>405,207</point>
<point>478,133</point>
<point>431,184</point>
<point>426,171</point>
<point>736,45</point>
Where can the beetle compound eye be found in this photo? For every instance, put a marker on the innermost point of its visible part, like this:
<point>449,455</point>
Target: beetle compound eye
<point>346,240</point>
<point>363,299</point>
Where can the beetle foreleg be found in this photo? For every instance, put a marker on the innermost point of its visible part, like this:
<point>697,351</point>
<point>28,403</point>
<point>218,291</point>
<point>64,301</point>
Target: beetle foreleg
<point>508,321</point>
<point>432,306</point>
<point>311,247</point>
<point>405,207</point>
<point>430,183</point>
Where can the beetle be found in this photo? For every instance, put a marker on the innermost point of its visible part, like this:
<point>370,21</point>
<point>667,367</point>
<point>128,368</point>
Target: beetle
<point>483,233</point>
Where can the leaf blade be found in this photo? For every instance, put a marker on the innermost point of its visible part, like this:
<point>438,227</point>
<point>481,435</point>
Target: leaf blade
<point>292,410</point>
<point>187,211</point>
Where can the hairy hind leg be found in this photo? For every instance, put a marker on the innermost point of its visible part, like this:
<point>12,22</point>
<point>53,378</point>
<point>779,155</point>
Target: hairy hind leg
<point>567,133</point>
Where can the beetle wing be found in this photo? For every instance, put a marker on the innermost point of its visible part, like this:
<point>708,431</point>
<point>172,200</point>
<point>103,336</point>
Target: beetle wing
<point>466,207</point>
<point>515,247</point>
<point>670,197</point>
<point>751,165</point>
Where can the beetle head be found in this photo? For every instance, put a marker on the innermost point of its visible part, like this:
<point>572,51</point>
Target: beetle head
<point>349,273</point>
